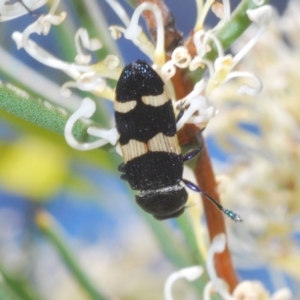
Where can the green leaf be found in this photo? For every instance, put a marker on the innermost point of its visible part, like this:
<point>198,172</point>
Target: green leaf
<point>54,236</point>
<point>16,286</point>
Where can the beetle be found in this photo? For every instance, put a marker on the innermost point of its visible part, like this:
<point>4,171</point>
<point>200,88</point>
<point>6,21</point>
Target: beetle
<point>153,163</point>
<point>146,130</point>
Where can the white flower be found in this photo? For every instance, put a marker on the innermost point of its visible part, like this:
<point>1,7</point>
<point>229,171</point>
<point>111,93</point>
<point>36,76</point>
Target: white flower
<point>87,77</point>
<point>246,290</point>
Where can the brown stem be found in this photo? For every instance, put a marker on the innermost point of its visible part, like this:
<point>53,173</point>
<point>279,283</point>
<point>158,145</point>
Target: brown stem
<point>214,217</point>
<point>206,181</point>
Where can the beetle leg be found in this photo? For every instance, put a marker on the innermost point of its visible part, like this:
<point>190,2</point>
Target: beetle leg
<point>124,177</point>
<point>181,109</point>
<point>121,167</point>
<point>193,152</point>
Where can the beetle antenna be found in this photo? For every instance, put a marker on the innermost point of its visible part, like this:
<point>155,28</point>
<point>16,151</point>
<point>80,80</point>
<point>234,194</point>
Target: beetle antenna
<point>227,212</point>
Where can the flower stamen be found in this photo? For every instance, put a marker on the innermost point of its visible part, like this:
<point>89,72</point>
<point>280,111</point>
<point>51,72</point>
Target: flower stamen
<point>86,110</point>
<point>246,89</point>
<point>204,11</point>
<point>217,246</point>
<point>134,30</point>
<point>82,40</point>
<point>190,274</point>
<point>262,16</point>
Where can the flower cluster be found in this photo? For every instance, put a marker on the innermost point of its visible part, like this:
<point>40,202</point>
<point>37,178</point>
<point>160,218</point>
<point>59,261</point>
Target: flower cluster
<point>252,290</point>
<point>261,137</point>
<point>93,77</point>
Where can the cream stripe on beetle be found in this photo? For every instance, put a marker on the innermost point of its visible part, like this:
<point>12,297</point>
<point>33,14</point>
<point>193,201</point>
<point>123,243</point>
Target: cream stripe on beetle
<point>133,149</point>
<point>159,143</point>
<point>124,107</point>
<point>163,143</point>
<point>156,100</point>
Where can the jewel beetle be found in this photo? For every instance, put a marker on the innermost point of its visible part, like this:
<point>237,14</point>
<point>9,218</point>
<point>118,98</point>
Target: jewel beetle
<point>153,163</point>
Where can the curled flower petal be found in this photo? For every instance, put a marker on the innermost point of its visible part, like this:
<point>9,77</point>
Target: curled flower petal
<point>201,62</point>
<point>181,57</point>
<point>222,11</point>
<point>87,77</point>
<point>202,13</point>
<point>42,55</point>
<point>108,67</point>
<point>91,80</point>
<point>210,290</point>
<point>197,90</point>
<point>23,40</point>
<point>262,16</point>
<point>218,9</point>
<point>82,40</point>
<point>207,113</point>
<point>134,30</point>
<point>111,62</point>
<point>141,40</point>
<point>86,82</point>
<point>197,39</point>
<point>282,294</point>
<point>116,31</point>
<point>191,274</point>
<point>86,110</point>
<point>218,245</point>
<point>223,65</point>
<point>46,21</point>
<point>83,59</point>
<point>196,104</point>
<point>201,41</point>
<point>110,135</point>
<point>245,89</point>
<point>250,290</point>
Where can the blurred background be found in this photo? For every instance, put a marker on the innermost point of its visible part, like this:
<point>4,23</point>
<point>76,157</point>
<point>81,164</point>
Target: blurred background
<point>254,144</point>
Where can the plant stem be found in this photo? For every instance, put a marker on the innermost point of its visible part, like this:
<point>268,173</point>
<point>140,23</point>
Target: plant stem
<point>47,226</point>
<point>17,288</point>
<point>214,217</point>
